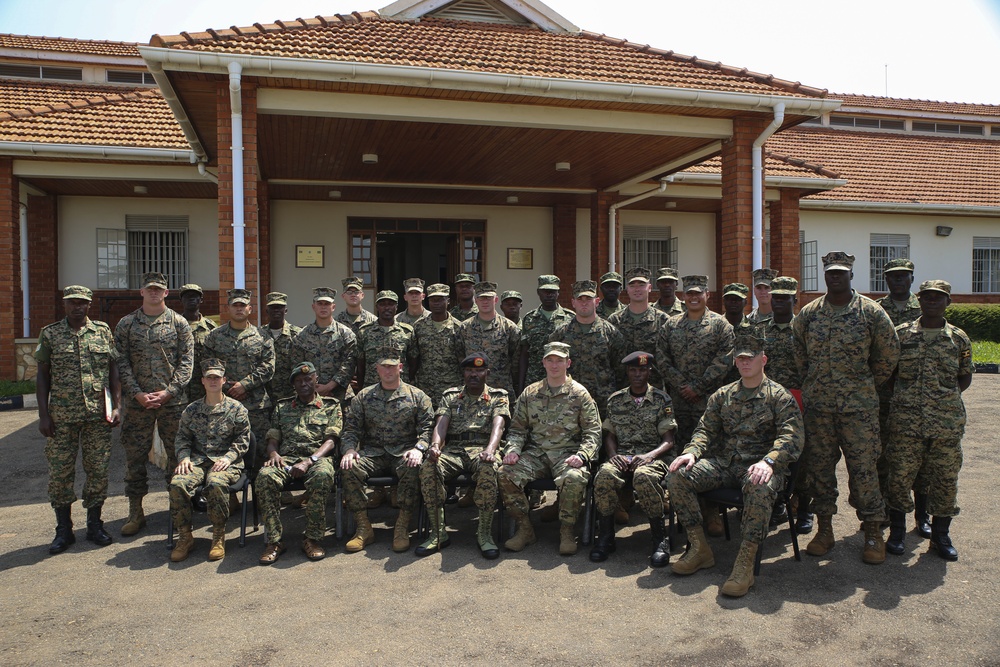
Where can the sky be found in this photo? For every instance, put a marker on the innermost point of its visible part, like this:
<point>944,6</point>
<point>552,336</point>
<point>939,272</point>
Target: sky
<point>923,49</point>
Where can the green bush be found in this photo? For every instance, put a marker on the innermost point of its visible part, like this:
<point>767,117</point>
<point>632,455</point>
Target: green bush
<point>980,321</point>
<point>16,387</point>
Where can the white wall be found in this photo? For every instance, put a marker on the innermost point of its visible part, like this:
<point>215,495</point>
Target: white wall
<point>695,234</point>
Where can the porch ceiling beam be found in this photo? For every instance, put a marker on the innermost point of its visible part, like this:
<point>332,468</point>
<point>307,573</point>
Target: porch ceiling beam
<point>108,171</point>
<point>694,156</point>
<point>430,186</point>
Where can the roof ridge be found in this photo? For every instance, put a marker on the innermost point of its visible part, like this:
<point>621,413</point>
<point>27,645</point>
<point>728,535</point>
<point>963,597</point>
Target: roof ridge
<point>278,26</point>
<point>80,103</point>
<point>914,99</point>
<point>799,162</point>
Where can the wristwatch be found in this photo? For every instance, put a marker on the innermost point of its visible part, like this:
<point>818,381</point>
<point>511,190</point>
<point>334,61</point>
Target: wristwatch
<point>314,458</point>
<point>769,461</point>
<point>420,447</point>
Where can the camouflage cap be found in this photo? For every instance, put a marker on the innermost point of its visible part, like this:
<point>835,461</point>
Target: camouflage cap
<point>213,368</point>
<point>78,292</point>
<point>785,285</point>
<point>191,287</point>
<point>639,358</point>
<point>558,349</point>
<point>324,294</point>
<point>695,283</point>
<point>747,342</point>
<point>584,288</point>
<point>486,289</point>
<point>666,273</point>
<point>154,279</point>
<point>438,289</point>
<point>387,294</point>
<point>935,286</point>
<point>475,360</point>
<point>763,276</point>
<point>899,264</point>
<point>638,273</point>
<point>548,282</point>
<point>353,283</point>
<point>612,277</point>
<point>304,367</point>
<point>838,261</point>
<point>413,284</point>
<point>276,299</point>
<point>239,296</point>
<point>465,278</point>
<point>738,289</point>
<point>511,294</point>
<point>388,356</point>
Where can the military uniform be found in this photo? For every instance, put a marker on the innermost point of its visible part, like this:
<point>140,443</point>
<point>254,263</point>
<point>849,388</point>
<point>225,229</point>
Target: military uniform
<point>779,346</point>
<point>500,339</point>
<point>374,336</point>
<point>536,327</point>
<point>596,350</point>
<point>333,350</point>
<point>676,308</point>
<point>355,322</point>
<point>461,314</point>
<point>200,329</point>
<point>604,311</point>
<point>639,333</point>
<point>440,349</point>
<point>763,276</point>
<point>280,387</point>
<point>406,318</point>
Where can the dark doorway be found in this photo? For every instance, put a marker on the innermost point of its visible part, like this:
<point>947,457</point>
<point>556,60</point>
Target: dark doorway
<point>412,255</point>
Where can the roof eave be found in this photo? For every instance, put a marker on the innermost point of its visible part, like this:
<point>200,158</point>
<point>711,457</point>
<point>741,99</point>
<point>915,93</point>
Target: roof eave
<point>797,182</point>
<point>77,151</point>
<point>900,207</point>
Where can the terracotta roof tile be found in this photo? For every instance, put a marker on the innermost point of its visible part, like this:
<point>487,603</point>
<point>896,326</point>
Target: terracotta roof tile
<point>903,104</point>
<point>18,94</point>
<point>775,164</point>
<point>67,45</point>
<point>481,47</point>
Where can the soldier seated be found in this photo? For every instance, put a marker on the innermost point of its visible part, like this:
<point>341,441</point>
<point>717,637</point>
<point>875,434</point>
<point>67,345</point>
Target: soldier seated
<point>304,430</point>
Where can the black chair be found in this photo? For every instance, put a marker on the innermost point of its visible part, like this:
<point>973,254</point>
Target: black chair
<point>345,522</point>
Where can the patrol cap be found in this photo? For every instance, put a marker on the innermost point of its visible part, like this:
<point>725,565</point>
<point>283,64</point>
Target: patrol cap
<point>465,278</point>
<point>413,284</point>
<point>324,294</point>
<point>764,276</point>
<point>747,342</point>
<point>666,273</point>
<point>695,283</point>
<point>584,288</point>
<point>511,294</point>
<point>438,289</point>
<point>638,273</point>
<point>785,285</point>
<point>737,289</point>
<point>838,261</point>
<point>548,282</point>
<point>78,292</point>
<point>387,294</point>
<point>304,367</point>
<point>942,286</point>
<point>475,360</point>
<point>276,299</point>
<point>213,368</point>
<point>154,279</point>
<point>388,356</point>
<point>485,289</point>
<point>611,277</point>
<point>191,287</point>
<point>558,349</point>
<point>899,264</point>
<point>639,358</point>
<point>353,282</point>
<point>239,296</point>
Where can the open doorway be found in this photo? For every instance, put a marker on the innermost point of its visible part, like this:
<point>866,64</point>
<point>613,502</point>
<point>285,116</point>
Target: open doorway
<point>411,255</point>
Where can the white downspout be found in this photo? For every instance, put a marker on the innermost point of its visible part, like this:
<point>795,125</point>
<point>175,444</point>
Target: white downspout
<point>239,225</point>
<point>25,282</point>
<point>758,186</point>
<point>613,216</point>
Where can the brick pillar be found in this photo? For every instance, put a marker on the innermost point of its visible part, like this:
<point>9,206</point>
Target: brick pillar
<point>251,178</point>
<point>43,263</point>
<point>264,239</point>
<point>564,248</point>
<point>785,254</point>
<point>734,236</point>
<point>10,277</point>
<point>600,204</point>
<point>716,282</point>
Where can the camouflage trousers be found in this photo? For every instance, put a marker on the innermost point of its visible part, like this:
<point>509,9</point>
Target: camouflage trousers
<point>318,480</point>
<point>137,440</point>
<point>450,465</point>
<point>708,474</point>
<point>645,480</point>
<point>919,483</point>
<point>936,461</point>
<point>534,464</point>
<point>93,438</point>
<point>260,424</point>
<point>354,480</point>
<point>216,492</point>
<point>856,435</point>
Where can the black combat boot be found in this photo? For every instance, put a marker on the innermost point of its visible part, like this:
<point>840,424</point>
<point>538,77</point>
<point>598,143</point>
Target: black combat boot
<point>605,544</point>
<point>661,543</point>
<point>923,528</point>
<point>95,527</point>
<point>897,532</point>
<point>64,531</point>
<point>940,540</point>
<point>803,517</point>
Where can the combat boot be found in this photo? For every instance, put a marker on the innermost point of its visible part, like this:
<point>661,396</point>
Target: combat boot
<point>363,535</point>
<point>468,498</point>
<point>698,556</point>
<point>661,543</point>
<point>605,544</point>
<point>136,519</point>
<point>897,532</point>
<point>64,530</point>
<point>438,538</point>
<point>401,535</point>
<point>823,541</point>
<point>95,527</point>
<point>741,579</point>
<point>713,520</point>
<point>485,536</point>
<point>803,517</point>
<point>567,539</point>
<point>377,498</point>
<point>923,528</point>
<point>524,535</point>
<point>184,545</point>
<point>874,551</point>
<point>218,550</point>
<point>941,540</point>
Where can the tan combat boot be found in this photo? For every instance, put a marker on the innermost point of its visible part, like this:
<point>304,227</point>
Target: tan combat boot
<point>874,551</point>
<point>567,539</point>
<point>401,535</point>
<point>823,541</point>
<point>363,536</point>
<point>698,556</point>
<point>218,550</point>
<point>184,545</point>
<point>524,535</point>
<point>136,519</point>
<point>741,579</point>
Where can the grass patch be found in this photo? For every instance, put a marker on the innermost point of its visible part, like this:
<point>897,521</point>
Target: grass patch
<point>985,352</point>
<point>12,388</point>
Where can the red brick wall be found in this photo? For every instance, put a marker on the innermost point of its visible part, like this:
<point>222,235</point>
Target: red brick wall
<point>43,262</point>
<point>264,222</point>
<point>734,237</point>
<point>10,277</point>
<point>600,204</point>
<point>785,254</point>
<point>564,249</point>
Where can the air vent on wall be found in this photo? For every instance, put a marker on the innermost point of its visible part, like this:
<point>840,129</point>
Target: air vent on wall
<point>481,11</point>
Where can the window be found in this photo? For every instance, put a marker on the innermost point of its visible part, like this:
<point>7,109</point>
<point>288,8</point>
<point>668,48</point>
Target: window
<point>649,247</point>
<point>985,264</point>
<point>867,122</point>
<point>948,128</point>
<point>157,243</point>
<point>112,259</point>
<point>361,257</point>
<point>809,261</point>
<point>472,255</point>
<point>130,76</point>
<point>883,248</point>
<point>41,72</point>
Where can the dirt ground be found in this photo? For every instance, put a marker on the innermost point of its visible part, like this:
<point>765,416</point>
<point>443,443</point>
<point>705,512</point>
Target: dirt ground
<point>126,604</point>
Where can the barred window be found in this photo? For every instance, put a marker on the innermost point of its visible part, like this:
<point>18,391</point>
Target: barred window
<point>985,264</point>
<point>809,262</point>
<point>884,247</point>
<point>157,243</point>
<point>649,247</point>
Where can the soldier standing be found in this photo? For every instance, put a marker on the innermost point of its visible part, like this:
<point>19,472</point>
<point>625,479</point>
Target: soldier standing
<point>734,303</point>
<point>497,336</point>
<point>385,332</point>
<point>413,294</point>
<point>328,345</point>
<point>439,346</point>
<point>283,333</point>
<point>510,305</point>
<point>762,290</point>
<point>666,284</point>
<point>611,288</point>
<point>354,316</point>
<point>466,295</point>
<point>639,322</point>
<point>79,396</point>
<point>191,299</point>
<point>536,327</point>
<point>155,360</point>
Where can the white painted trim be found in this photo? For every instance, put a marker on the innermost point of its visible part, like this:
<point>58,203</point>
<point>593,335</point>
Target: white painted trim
<point>537,12</point>
<point>67,57</point>
<point>35,149</point>
<point>699,155</point>
<point>91,171</point>
<point>180,114</point>
<point>890,207</point>
<point>429,186</point>
<point>770,181</point>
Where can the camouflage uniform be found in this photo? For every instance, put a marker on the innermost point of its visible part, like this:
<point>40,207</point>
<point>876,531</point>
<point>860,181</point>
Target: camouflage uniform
<point>500,339</point>
<point>248,356</point>
<point>406,318</point>
<point>756,317</point>
<point>604,312</point>
<point>677,308</point>
<point>596,350</point>
<point>206,434</point>
<point>461,314</point>
<point>381,426</point>
<point>79,371</point>
<point>548,426</point>
<point>439,348</point>
<point>843,354</point>
<point>154,354</point>
<point>280,386</point>
<point>300,429</point>
<point>355,323</point>
<point>740,427</point>
<point>928,417</point>
<point>909,313</point>
<point>470,423</point>
<point>374,336</point>
<point>536,327</point>
<point>779,346</point>
<point>199,330</point>
<point>639,427</point>
<point>639,333</point>
<point>333,350</point>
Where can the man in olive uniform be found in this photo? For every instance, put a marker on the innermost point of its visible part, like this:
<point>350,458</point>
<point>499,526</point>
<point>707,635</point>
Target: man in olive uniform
<point>328,345</point>
<point>304,431</point>
<point>283,334</point>
<point>510,305</point>
<point>536,327</point>
<point>155,361</point>
<point>353,315</point>
<point>413,294</point>
<point>611,288</point>
<point>845,347</point>
<point>191,299</point>
<point>495,335</point>
<point>666,284</point>
<point>384,332</point>
<point>439,346</point>
<point>639,322</point>
<point>734,303</point>
<point>212,439</point>
<point>388,431</point>
<point>465,294</point>
<point>470,423</point>
<point>928,418</point>
<point>555,431</point>
<point>638,438</point>
<point>750,433</point>
<point>79,395</point>
<point>762,290</point>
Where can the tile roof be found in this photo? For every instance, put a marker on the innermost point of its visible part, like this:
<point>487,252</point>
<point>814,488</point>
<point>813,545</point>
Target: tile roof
<point>899,168</point>
<point>902,104</point>
<point>18,94</point>
<point>775,164</point>
<point>481,47</point>
<point>67,45</point>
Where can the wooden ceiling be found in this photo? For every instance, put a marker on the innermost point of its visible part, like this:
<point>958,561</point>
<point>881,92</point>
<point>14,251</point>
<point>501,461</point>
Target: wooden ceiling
<point>120,188</point>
